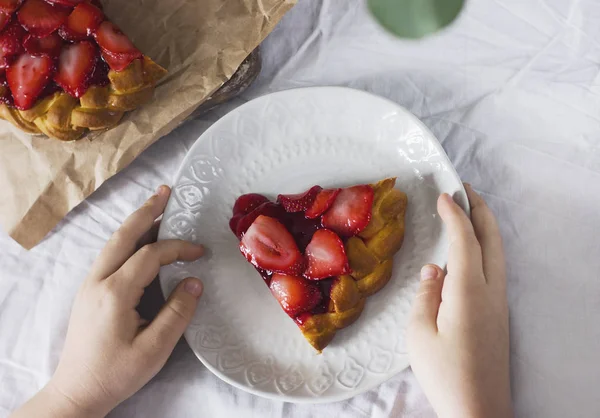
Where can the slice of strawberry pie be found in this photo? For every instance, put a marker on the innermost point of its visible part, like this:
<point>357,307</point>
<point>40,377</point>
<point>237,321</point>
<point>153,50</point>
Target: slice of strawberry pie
<point>324,251</point>
<point>65,69</point>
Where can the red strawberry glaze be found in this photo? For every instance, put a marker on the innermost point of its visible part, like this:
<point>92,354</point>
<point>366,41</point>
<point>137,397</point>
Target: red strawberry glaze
<point>302,229</point>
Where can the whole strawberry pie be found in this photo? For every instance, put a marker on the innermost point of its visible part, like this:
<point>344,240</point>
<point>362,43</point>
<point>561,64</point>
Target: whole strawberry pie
<point>324,251</point>
<point>65,68</point>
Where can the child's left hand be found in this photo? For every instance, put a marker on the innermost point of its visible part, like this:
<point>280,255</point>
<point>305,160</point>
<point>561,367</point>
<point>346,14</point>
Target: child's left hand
<point>109,354</point>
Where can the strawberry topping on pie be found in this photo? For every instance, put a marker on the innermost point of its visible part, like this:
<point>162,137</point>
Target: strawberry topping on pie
<point>299,202</point>
<point>11,43</point>
<point>291,245</point>
<point>82,22</point>
<point>53,45</point>
<point>116,47</point>
<point>75,67</point>
<point>70,3</point>
<point>294,294</point>
<point>269,246</point>
<point>41,18</point>
<point>326,256</point>
<point>350,213</point>
<point>323,201</point>
<point>244,222</point>
<point>50,45</point>
<point>9,6</point>
<point>4,19</point>
<point>27,77</point>
<point>247,203</point>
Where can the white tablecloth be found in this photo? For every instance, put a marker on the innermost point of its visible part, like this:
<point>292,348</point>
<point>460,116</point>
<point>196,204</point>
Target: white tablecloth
<point>511,90</point>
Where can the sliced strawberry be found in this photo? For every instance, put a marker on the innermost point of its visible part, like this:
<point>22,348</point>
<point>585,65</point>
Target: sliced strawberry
<point>75,66</point>
<point>269,246</point>
<point>323,202</point>
<point>27,77</point>
<point>4,19</point>
<point>234,221</point>
<point>68,35</point>
<point>294,294</point>
<point>117,49</point>
<point>350,212</point>
<point>325,256</point>
<point>69,3</point>
<point>113,40</point>
<point>299,202</point>
<point>116,62</point>
<point>11,42</point>
<point>50,45</point>
<point>248,202</point>
<point>267,209</point>
<point>9,6</point>
<point>40,18</point>
<point>82,22</point>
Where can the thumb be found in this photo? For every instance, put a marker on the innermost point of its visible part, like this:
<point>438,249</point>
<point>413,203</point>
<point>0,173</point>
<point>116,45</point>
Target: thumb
<point>425,307</point>
<point>163,333</point>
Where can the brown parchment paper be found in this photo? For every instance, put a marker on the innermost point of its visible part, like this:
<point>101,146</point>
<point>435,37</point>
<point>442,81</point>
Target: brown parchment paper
<point>200,42</point>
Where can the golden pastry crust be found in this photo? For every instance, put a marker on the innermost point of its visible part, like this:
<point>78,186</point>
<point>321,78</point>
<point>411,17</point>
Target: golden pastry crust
<point>63,117</point>
<point>370,255</point>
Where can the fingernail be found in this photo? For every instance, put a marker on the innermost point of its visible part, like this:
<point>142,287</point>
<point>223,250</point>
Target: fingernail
<point>193,287</point>
<point>448,198</point>
<point>200,249</point>
<point>428,273</point>
<point>162,190</point>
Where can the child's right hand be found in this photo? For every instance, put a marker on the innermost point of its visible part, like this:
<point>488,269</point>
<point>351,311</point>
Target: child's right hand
<point>458,333</point>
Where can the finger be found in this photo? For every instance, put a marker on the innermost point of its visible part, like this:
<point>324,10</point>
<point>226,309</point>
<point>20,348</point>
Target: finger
<point>424,311</point>
<point>488,234</point>
<point>149,236</point>
<point>139,271</point>
<point>464,256</point>
<point>162,334</point>
<point>123,242</point>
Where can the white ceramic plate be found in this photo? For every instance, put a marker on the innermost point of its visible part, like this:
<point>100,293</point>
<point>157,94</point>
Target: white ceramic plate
<point>284,143</point>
